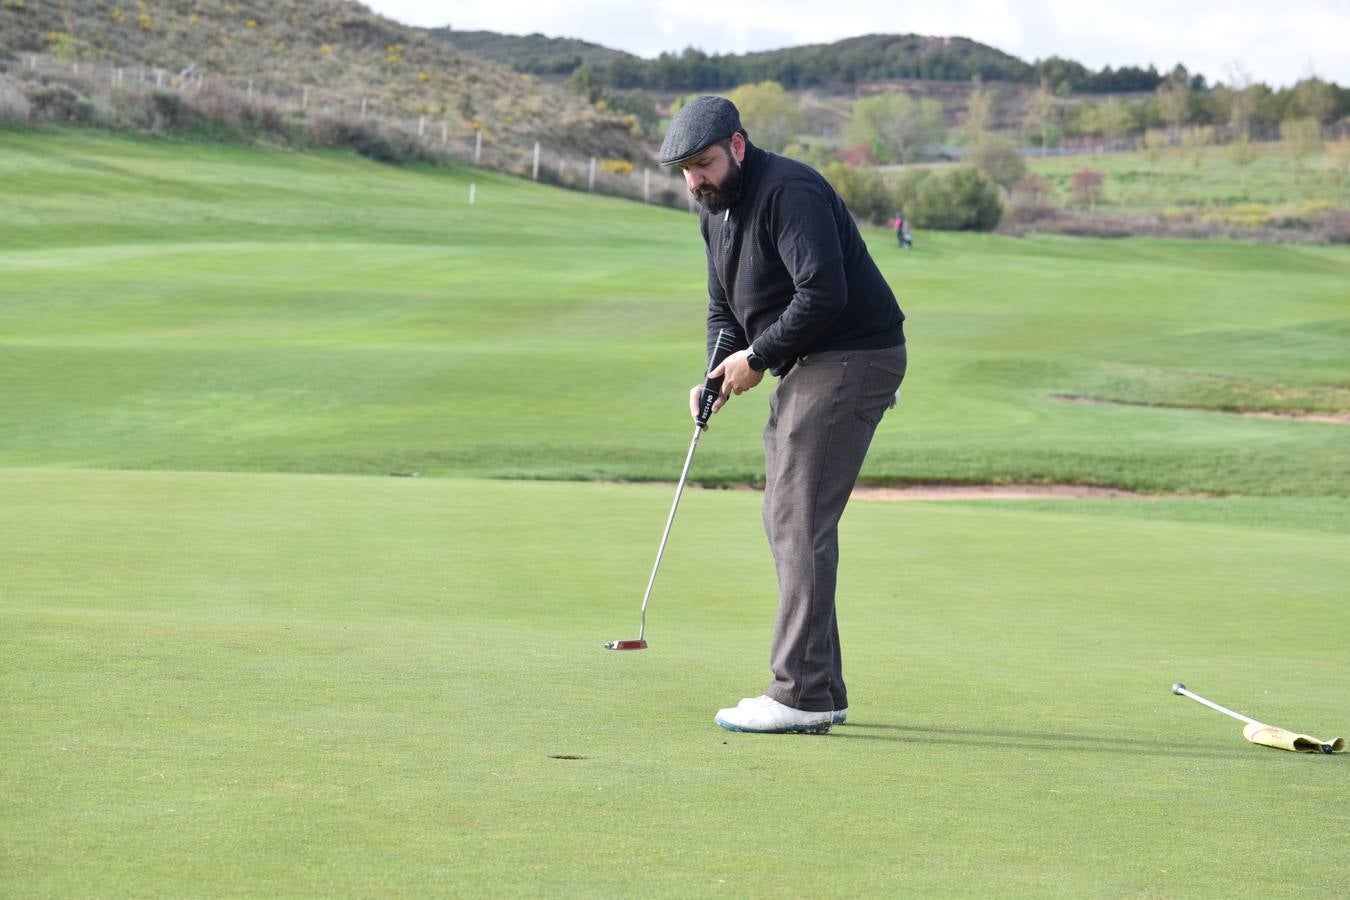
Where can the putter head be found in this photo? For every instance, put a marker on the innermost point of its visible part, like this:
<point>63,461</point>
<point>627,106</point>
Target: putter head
<point>636,644</point>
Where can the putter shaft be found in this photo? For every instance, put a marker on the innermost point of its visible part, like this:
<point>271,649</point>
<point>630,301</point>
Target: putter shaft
<point>670,520</point>
<point>1182,691</point>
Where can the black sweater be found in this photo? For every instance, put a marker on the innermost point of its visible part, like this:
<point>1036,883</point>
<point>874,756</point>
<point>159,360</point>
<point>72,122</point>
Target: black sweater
<point>788,270</point>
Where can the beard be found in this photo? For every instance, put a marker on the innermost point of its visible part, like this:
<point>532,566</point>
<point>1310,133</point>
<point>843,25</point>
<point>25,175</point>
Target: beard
<point>724,195</point>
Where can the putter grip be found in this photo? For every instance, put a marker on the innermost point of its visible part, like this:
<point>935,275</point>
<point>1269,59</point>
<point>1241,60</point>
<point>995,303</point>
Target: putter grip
<point>724,346</point>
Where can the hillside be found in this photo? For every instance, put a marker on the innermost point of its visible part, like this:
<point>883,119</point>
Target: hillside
<point>841,65</point>
<point>338,50</point>
<point>533,53</point>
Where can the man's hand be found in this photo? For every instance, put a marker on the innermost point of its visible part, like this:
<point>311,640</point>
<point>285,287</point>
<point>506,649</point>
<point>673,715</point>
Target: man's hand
<point>736,374</point>
<point>737,378</point>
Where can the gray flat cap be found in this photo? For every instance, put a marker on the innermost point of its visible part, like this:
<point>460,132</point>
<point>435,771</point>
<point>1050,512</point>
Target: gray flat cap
<point>702,121</point>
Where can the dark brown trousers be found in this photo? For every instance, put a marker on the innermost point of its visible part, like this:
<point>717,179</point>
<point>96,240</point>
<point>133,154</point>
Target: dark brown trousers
<point>821,420</point>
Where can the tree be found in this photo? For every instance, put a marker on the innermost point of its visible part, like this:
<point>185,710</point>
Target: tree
<point>1241,102</point>
<point>1111,120</point>
<point>1086,187</point>
<point>768,113</point>
<point>979,108</point>
<point>898,128</point>
<point>1315,98</point>
<point>999,159</point>
<point>587,83</point>
<point>1042,113</point>
<point>1174,103</point>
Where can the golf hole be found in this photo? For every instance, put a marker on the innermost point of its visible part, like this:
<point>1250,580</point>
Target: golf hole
<point>565,756</point>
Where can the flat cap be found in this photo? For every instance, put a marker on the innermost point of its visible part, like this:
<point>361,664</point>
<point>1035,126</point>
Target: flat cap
<point>700,122</point>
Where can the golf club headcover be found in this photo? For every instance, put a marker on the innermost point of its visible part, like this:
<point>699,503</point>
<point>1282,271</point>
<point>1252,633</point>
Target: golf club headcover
<point>724,346</point>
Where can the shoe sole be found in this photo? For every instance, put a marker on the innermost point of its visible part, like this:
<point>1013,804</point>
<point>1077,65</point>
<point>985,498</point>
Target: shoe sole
<point>817,728</point>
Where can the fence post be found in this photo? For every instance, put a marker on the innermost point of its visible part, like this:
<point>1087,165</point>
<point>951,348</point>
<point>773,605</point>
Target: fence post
<point>421,126</point>
<point>646,185</point>
<point>590,181</point>
<point>536,161</point>
<point>478,146</point>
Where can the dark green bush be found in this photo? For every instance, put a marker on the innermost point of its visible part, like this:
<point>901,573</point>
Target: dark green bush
<point>961,199</point>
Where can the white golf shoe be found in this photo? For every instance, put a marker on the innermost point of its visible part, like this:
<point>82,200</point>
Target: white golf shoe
<point>765,715</point>
<point>839,717</point>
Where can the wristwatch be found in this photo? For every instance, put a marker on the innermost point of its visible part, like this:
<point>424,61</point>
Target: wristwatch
<point>755,360</point>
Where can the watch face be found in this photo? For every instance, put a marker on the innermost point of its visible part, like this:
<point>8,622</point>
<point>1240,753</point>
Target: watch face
<point>756,362</point>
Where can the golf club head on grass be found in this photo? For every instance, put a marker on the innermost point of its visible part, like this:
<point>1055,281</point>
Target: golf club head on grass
<point>636,644</point>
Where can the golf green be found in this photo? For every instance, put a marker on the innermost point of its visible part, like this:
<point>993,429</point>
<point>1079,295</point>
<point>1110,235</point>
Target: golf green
<point>299,684</point>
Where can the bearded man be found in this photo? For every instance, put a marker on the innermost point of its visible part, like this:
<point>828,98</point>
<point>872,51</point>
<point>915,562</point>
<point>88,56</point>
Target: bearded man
<point>789,274</point>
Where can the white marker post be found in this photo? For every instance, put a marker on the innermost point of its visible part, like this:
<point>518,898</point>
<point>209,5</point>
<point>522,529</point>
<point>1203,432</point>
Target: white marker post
<point>535,177</point>
<point>473,189</point>
<point>590,183</point>
<point>478,146</point>
<point>646,185</point>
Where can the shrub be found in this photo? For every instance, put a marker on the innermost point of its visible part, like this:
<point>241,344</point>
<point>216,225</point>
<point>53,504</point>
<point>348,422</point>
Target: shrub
<point>237,110</point>
<point>863,190</point>
<point>1086,187</point>
<point>387,145</point>
<point>171,110</point>
<point>1032,188</point>
<point>962,199</point>
<point>999,159</point>
<point>14,105</point>
<point>1336,227</point>
<point>59,103</point>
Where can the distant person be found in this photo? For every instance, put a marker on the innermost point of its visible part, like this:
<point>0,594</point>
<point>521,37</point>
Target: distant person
<point>902,232</point>
<point>789,274</point>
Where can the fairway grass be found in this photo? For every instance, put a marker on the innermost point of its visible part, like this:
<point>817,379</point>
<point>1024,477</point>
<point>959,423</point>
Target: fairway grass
<point>241,684</point>
<point>196,307</point>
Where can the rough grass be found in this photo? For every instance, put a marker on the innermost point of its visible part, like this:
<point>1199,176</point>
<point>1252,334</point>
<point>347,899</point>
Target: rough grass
<point>1207,180</point>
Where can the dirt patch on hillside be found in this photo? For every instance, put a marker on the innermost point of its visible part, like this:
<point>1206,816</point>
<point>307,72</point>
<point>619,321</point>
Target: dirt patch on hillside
<point>1332,418</point>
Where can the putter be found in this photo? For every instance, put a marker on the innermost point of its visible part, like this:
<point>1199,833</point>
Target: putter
<point>1268,735</point>
<point>723,347</point>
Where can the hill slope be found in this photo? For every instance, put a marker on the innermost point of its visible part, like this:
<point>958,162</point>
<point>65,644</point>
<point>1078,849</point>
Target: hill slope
<point>338,49</point>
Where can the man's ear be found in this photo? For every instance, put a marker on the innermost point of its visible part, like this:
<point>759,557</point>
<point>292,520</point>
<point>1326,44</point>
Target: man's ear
<point>738,147</point>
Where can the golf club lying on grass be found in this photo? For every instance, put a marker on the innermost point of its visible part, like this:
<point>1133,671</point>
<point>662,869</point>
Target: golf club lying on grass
<point>1268,735</point>
<point>712,387</point>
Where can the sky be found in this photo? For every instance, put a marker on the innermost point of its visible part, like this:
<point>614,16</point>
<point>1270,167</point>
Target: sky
<point>1274,41</point>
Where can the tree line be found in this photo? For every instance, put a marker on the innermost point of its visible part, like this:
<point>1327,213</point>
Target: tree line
<point>845,64</point>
